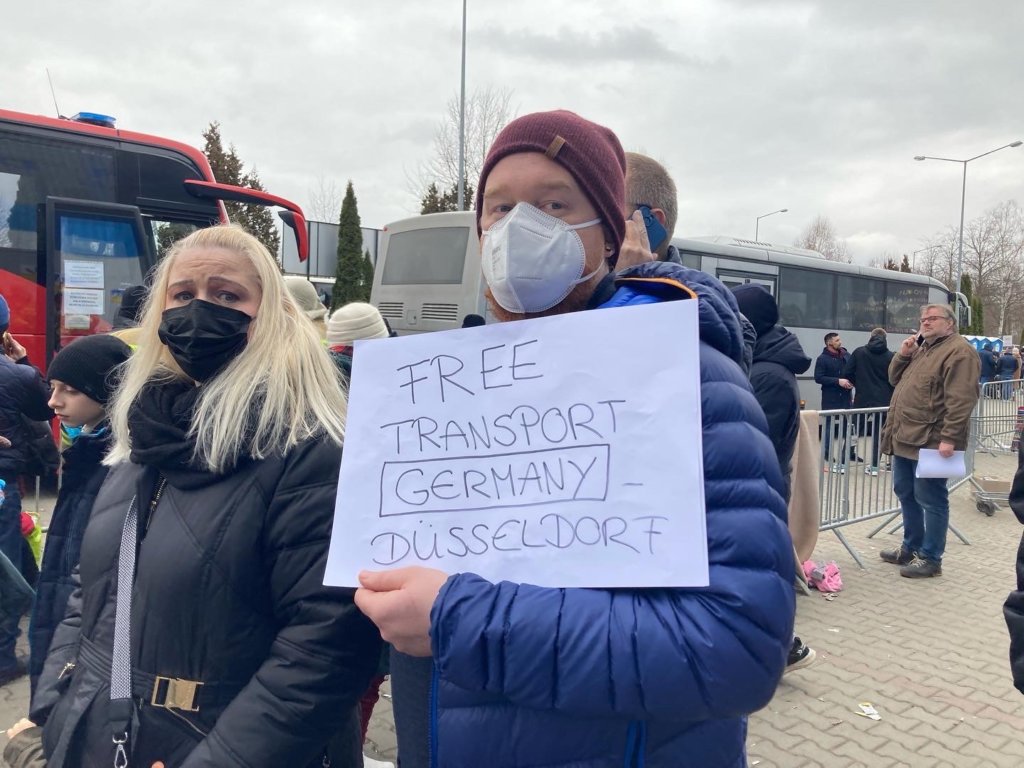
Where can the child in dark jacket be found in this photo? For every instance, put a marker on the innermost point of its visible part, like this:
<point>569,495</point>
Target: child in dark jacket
<point>82,380</point>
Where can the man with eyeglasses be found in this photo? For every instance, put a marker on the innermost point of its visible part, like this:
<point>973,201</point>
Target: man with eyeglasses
<point>936,375</point>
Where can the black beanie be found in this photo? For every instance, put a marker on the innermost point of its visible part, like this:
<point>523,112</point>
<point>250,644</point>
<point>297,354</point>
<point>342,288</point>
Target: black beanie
<point>87,364</point>
<point>758,305</point>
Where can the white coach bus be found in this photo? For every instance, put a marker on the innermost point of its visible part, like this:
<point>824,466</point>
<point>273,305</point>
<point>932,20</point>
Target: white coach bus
<point>428,278</point>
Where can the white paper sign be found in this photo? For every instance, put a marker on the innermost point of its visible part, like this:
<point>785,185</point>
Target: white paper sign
<point>82,301</point>
<point>563,451</point>
<point>931,463</point>
<point>83,274</point>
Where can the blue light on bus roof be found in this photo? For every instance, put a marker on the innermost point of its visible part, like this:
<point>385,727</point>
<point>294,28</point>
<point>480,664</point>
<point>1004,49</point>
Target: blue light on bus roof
<point>95,118</point>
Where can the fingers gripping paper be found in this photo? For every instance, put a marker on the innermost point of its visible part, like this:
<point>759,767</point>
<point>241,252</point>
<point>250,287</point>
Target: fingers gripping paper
<point>563,451</point>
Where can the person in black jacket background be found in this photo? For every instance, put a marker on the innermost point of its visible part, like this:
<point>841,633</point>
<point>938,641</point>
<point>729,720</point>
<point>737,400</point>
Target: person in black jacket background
<point>778,358</point>
<point>989,364</point>
<point>836,392</point>
<point>82,379</point>
<point>227,431</point>
<point>1013,608</point>
<point>1007,372</point>
<point>868,371</point>
<point>23,396</point>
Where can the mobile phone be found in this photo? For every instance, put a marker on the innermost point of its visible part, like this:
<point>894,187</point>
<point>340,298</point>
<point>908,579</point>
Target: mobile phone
<point>920,339</point>
<point>656,233</point>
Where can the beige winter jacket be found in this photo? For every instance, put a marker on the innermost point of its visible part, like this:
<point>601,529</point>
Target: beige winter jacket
<point>936,390</point>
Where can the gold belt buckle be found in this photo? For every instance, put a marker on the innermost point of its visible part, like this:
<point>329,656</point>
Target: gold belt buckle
<point>178,693</point>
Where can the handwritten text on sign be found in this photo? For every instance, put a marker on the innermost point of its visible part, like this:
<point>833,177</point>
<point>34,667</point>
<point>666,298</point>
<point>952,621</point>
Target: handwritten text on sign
<point>562,451</point>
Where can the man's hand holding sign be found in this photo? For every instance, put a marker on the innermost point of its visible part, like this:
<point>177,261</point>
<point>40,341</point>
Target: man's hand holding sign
<point>513,451</point>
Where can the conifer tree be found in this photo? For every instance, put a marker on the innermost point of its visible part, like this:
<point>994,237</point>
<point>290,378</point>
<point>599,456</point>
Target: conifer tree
<point>348,285</point>
<point>367,275</point>
<point>228,168</point>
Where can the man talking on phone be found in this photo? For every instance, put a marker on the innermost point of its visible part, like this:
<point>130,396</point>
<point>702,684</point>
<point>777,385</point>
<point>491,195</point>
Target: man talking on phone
<point>935,374</point>
<point>23,392</point>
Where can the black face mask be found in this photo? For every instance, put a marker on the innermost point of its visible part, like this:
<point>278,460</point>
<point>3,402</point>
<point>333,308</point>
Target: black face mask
<point>204,337</point>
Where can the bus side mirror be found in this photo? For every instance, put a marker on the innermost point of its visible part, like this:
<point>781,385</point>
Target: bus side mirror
<point>213,190</point>
<point>962,307</point>
<point>297,223</point>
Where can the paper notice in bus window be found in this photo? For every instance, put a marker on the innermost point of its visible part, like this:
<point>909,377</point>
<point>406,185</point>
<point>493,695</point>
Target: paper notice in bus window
<point>81,301</point>
<point>83,274</point>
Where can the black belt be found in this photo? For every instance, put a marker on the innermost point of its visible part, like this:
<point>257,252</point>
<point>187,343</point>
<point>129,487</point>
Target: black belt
<point>163,690</point>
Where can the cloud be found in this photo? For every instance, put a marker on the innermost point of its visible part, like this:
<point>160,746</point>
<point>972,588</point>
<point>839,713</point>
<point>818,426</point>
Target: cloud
<point>818,107</point>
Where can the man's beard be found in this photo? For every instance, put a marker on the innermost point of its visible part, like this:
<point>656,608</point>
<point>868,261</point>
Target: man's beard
<point>574,302</point>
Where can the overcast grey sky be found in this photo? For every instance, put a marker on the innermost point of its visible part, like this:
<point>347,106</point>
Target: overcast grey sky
<point>753,105</point>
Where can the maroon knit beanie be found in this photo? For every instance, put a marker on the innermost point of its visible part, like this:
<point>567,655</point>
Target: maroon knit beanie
<point>590,152</point>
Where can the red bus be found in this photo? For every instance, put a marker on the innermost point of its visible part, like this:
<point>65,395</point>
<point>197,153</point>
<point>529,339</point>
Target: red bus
<point>84,211</point>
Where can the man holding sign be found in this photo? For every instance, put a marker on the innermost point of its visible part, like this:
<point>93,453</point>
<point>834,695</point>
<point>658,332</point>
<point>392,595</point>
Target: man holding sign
<point>661,669</point>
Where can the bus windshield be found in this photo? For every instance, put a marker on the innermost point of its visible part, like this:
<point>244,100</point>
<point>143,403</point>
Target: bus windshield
<point>426,257</point>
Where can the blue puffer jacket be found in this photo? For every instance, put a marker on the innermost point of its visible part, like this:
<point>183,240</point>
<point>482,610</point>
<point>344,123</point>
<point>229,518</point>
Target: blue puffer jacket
<point>660,678</point>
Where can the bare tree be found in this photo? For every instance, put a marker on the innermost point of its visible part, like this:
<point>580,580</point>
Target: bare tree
<point>993,258</point>
<point>994,252</point>
<point>324,200</point>
<point>488,110</point>
<point>821,236</point>
<point>938,258</point>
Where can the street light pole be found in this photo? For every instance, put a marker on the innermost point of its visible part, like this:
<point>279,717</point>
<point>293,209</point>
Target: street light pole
<point>757,223</point>
<point>462,118</point>
<point>963,199</point>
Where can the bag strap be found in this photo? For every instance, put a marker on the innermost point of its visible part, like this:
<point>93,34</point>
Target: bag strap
<point>121,664</point>
<point>121,705</point>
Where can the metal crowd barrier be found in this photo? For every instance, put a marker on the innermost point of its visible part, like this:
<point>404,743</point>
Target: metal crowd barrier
<point>999,412</point>
<point>855,478</point>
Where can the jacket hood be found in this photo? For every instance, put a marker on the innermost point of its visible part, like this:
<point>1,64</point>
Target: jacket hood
<point>877,345</point>
<point>758,305</point>
<point>778,345</point>
<point>717,309</point>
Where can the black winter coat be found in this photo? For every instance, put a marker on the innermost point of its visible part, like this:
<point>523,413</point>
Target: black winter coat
<point>828,370</point>
<point>989,363</point>
<point>1013,609</point>
<point>778,358</point>
<point>1007,366</point>
<point>228,592</point>
<point>81,478</point>
<point>23,392</point>
<point>868,370</point>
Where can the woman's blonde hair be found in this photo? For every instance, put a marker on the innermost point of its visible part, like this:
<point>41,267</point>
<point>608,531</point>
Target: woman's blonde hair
<point>282,388</point>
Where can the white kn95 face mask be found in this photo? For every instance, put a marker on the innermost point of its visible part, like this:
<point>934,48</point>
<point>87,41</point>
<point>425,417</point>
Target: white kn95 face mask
<point>531,260</point>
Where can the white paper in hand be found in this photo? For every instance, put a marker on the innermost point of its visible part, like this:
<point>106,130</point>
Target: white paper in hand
<point>930,463</point>
<point>562,451</point>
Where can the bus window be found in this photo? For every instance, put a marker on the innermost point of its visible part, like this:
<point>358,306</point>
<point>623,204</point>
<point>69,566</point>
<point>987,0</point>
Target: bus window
<point>690,259</point>
<point>163,234</point>
<point>160,178</point>
<point>32,169</point>
<point>96,257</point>
<point>903,304</point>
<point>734,279</point>
<point>806,298</point>
<point>426,257</point>
<point>860,303</point>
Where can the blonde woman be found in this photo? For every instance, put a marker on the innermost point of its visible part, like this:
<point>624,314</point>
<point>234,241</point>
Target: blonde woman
<point>227,435</point>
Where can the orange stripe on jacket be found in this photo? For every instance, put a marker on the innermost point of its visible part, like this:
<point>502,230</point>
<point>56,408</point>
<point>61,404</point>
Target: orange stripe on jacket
<point>665,280</point>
